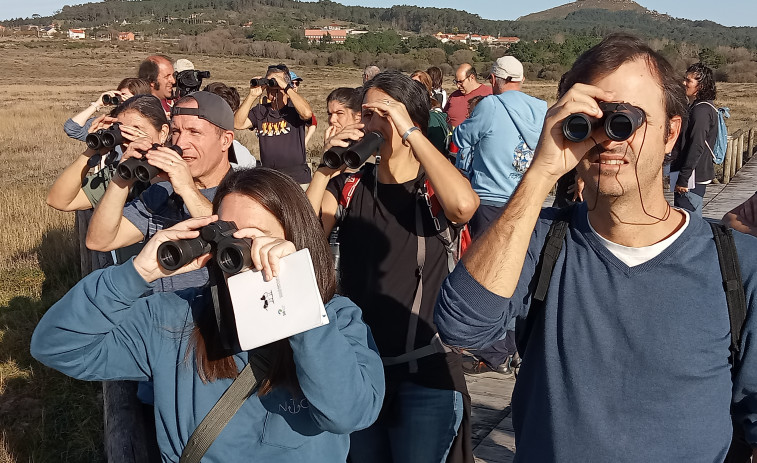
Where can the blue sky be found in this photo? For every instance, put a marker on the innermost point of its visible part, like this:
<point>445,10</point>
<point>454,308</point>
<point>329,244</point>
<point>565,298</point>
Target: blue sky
<point>727,12</point>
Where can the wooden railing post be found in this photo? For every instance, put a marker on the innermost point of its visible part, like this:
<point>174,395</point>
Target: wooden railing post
<point>727,161</point>
<point>750,145</point>
<point>740,153</point>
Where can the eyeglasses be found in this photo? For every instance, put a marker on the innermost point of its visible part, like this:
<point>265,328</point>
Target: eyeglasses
<point>458,82</point>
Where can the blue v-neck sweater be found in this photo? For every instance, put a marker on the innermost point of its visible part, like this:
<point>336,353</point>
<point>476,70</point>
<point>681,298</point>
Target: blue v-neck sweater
<point>627,363</point>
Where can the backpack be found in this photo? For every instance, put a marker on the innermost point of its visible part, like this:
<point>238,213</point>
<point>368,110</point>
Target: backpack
<point>721,142</point>
<point>733,285</point>
<point>455,245</point>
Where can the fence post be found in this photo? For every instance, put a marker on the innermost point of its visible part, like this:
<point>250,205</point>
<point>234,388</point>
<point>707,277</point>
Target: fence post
<point>740,153</point>
<point>727,161</point>
<point>750,145</point>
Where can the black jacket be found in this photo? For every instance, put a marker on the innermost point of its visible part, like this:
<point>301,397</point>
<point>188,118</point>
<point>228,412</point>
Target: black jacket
<point>690,153</point>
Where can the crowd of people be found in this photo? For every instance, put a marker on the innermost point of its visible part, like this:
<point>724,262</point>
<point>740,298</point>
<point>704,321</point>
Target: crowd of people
<point>434,258</point>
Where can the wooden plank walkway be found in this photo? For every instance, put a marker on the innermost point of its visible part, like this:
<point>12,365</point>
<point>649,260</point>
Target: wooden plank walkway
<point>493,435</point>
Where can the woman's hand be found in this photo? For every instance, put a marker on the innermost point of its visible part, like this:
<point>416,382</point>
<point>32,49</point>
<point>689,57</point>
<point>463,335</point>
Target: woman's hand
<point>343,137</point>
<point>146,262</point>
<point>394,111</point>
<point>266,251</point>
<point>681,189</point>
<point>102,122</point>
<point>132,133</point>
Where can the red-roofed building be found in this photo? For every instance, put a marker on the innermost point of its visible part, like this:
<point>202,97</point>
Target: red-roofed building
<point>317,35</point>
<point>76,34</point>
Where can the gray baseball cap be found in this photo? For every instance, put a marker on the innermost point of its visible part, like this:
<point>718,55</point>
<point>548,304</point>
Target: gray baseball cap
<point>210,107</point>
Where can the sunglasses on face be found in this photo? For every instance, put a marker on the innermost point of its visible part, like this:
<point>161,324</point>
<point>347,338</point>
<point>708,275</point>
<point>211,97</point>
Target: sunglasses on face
<point>295,83</point>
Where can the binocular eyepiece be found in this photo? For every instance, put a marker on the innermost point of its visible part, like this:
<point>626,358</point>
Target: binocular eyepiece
<point>139,168</point>
<point>356,154</point>
<point>264,82</point>
<point>620,121</point>
<point>232,255</point>
<point>113,100</point>
<point>105,138</point>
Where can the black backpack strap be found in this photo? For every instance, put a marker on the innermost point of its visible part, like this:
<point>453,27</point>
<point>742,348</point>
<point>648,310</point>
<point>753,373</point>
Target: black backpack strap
<point>732,284</point>
<point>547,260</point>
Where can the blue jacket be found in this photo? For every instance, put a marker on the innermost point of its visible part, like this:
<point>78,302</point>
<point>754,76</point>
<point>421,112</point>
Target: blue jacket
<point>501,133</point>
<point>625,363</point>
<point>103,330</point>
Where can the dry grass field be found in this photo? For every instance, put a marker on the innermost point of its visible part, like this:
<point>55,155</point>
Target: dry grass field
<point>45,416</point>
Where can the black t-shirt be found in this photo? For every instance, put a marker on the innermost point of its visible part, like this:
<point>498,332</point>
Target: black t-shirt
<point>378,268</point>
<point>281,134</point>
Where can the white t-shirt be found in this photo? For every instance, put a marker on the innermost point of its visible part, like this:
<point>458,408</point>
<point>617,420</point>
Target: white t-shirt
<point>637,256</point>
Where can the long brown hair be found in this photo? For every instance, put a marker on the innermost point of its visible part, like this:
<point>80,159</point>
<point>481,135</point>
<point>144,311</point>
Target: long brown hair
<point>283,198</point>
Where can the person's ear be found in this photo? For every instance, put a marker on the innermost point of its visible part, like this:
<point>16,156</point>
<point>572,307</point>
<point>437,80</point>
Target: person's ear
<point>673,132</point>
<point>227,138</point>
<point>165,130</point>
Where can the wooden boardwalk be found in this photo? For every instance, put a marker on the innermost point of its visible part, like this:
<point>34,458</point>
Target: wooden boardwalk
<point>493,436</point>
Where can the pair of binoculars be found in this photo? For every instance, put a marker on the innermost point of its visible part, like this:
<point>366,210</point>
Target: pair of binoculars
<point>620,121</point>
<point>356,154</point>
<point>264,83</point>
<point>112,100</point>
<point>105,138</point>
<point>139,168</point>
<point>231,254</point>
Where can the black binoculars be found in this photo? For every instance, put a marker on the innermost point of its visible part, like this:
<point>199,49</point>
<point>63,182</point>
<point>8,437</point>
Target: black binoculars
<point>264,82</point>
<point>112,100</point>
<point>231,254</point>
<point>105,138</point>
<point>620,121</point>
<point>139,168</point>
<point>189,81</point>
<point>356,154</point>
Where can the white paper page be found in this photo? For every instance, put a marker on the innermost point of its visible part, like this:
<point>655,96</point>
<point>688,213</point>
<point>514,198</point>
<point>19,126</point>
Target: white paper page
<point>267,311</point>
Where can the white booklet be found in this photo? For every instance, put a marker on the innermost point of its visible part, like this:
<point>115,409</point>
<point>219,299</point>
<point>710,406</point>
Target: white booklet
<point>267,311</point>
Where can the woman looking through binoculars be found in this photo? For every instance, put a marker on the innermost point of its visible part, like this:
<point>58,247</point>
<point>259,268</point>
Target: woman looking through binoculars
<point>138,117</point>
<point>392,263</point>
<point>313,388</point>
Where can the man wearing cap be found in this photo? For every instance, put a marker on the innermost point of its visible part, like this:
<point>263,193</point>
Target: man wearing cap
<point>501,135</point>
<point>279,120</point>
<point>203,127</point>
<point>313,124</point>
<point>468,87</point>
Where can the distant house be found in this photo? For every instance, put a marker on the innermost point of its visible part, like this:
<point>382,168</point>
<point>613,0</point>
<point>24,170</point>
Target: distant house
<point>76,34</point>
<point>506,41</point>
<point>126,36</point>
<point>318,35</point>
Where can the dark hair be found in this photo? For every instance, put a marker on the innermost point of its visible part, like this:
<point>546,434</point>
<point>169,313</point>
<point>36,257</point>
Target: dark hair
<point>135,85</point>
<point>706,89</point>
<point>347,96</point>
<point>274,68</point>
<point>229,94</point>
<point>149,70</point>
<point>437,76</point>
<point>148,106</point>
<point>614,51</point>
<point>283,198</point>
<point>473,102</point>
<point>404,89</point>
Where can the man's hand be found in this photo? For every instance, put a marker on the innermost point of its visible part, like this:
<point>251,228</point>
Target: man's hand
<point>554,155</point>
<point>146,262</point>
<point>256,91</point>
<point>280,81</point>
<point>174,169</point>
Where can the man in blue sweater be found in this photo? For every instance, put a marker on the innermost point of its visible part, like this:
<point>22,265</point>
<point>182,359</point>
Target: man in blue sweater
<point>628,359</point>
<point>501,135</point>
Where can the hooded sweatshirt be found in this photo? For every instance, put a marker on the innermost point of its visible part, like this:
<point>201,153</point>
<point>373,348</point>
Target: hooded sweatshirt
<point>501,133</point>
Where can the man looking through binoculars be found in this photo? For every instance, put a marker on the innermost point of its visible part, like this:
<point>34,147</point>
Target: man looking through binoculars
<point>279,120</point>
<point>203,128</point>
